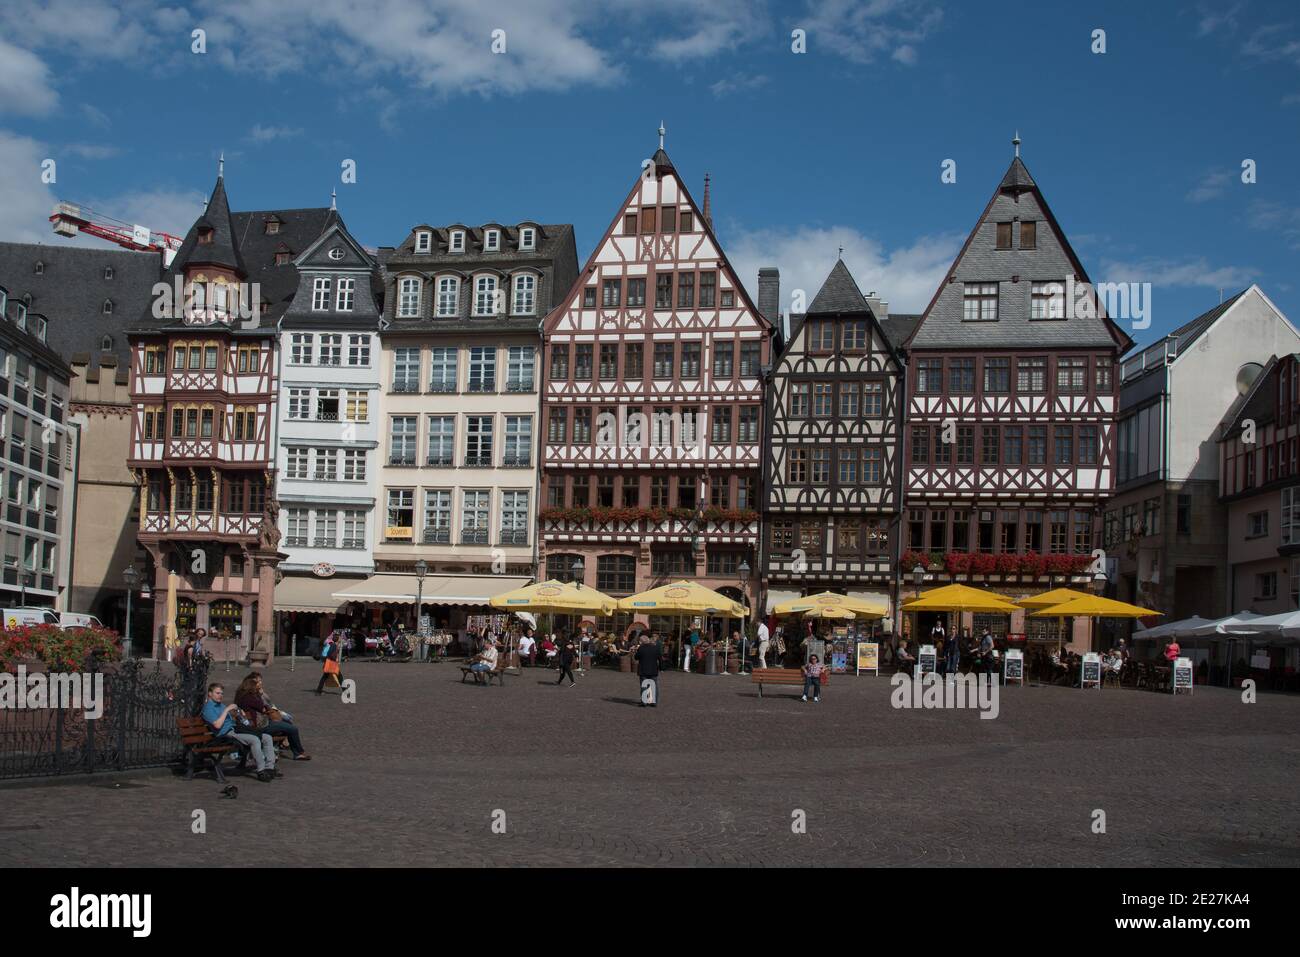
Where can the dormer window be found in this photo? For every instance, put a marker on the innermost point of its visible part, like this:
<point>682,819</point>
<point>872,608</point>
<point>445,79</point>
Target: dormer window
<point>108,307</point>
<point>108,272</point>
<point>528,238</point>
<point>485,296</point>
<point>272,227</point>
<point>423,241</point>
<point>320,295</point>
<point>106,344</point>
<point>40,268</point>
<point>205,236</point>
<point>457,244</point>
<point>27,299</point>
<point>282,258</point>
<point>492,240</point>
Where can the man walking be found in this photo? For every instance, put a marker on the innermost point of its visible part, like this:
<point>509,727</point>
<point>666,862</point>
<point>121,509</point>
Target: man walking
<point>647,670</point>
<point>763,641</point>
<point>566,664</point>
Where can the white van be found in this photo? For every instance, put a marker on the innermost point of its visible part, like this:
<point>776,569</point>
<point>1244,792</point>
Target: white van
<point>73,619</point>
<point>17,617</point>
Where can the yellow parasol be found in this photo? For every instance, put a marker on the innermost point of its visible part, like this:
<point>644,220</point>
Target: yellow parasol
<point>683,597</point>
<point>960,598</point>
<point>556,597</point>
<point>830,600</point>
<point>829,612</point>
<point>171,640</point>
<point>1057,596</point>
<point>1094,606</point>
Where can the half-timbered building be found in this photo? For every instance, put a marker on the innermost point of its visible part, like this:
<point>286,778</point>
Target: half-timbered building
<point>1012,401</point>
<point>653,404</point>
<point>204,382</point>
<point>834,462</point>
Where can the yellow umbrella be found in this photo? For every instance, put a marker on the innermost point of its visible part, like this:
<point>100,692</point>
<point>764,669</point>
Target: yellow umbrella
<point>960,598</point>
<point>170,638</point>
<point>830,600</point>
<point>829,612</point>
<point>1094,606</point>
<point>1057,596</point>
<point>556,597</point>
<point>683,597</point>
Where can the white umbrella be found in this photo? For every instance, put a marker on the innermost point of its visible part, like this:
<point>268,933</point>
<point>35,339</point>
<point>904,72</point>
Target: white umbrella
<point>1170,628</point>
<point>1237,624</point>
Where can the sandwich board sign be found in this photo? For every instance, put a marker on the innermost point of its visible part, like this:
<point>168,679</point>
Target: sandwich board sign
<point>1182,679</point>
<point>869,657</point>
<point>1014,669</point>
<point>1090,670</point>
<point>927,660</point>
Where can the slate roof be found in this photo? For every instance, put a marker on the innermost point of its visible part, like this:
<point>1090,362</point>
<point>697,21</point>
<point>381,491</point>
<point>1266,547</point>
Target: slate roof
<point>70,294</point>
<point>1259,402</point>
<point>839,293</point>
<point>898,326</point>
<point>222,251</point>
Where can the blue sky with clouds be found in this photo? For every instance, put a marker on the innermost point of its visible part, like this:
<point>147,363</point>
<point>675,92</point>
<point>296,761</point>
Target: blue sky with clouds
<point>1138,150</point>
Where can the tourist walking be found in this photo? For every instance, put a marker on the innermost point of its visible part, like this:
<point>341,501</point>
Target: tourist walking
<point>330,663</point>
<point>764,640</point>
<point>952,655</point>
<point>812,678</point>
<point>566,664</point>
<point>647,669</point>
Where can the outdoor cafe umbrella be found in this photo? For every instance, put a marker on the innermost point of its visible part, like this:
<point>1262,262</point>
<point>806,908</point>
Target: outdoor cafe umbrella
<point>1057,596</point>
<point>830,600</point>
<point>830,611</point>
<point>683,598</point>
<point>1094,606</point>
<point>960,598</point>
<point>1169,628</point>
<point>555,598</point>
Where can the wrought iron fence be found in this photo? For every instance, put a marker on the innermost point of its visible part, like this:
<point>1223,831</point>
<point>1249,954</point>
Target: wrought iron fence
<point>137,728</point>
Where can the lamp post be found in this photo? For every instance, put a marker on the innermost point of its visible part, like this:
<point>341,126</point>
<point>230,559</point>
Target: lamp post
<point>576,570</point>
<point>132,578</point>
<point>27,579</point>
<point>743,572</point>
<point>421,569</point>
<point>918,578</point>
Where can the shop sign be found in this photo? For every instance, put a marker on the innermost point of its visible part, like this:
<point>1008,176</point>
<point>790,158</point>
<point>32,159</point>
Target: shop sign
<point>869,656</point>
<point>397,532</point>
<point>323,570</point>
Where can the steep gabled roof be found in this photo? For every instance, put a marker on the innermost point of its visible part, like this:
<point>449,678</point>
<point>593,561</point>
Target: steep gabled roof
<point>839,293</point>
<point>222,250</point>
<point>1259,403</point>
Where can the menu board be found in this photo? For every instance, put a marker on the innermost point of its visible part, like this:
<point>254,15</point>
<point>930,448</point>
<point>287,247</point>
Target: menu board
<point>1090,670</point>
<point>868,656</point>
<point>1182,675</point>
<point>1014,669</point>
<point>927,660</point>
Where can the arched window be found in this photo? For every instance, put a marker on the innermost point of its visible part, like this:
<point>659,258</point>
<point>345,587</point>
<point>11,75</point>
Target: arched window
<point>408,299</point>
<point>485,295</point>
<point>40,268</point>
<point>525,294</point>
<point>106,344</point>
<point>448,296</point>
<point>198,296</point>
<point>108,307</point>
<point>108,272</point>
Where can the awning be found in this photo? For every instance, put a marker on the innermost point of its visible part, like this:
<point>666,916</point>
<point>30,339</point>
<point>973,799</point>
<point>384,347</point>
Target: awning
<point>437,590</point>
<point>775,598</point>
<point>306,593</point>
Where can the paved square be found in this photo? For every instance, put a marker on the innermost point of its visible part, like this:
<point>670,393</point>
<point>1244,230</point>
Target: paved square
<point>412,772</point>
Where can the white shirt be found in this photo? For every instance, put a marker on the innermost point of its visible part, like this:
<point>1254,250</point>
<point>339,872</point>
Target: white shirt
<point>762,632</point>
<point>526,644</point>
<point>490,655</point>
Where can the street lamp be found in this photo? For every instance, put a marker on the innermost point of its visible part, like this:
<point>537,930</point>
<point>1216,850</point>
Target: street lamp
<point>743,572</point>
<point>132,578</point>
<point>576,570</point>
<point>421,569</point>
<point>28,579</point>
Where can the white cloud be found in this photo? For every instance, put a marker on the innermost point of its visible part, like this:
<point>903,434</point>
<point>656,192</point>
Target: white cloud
<point>92,151</point>
<point>96,116</point>
<point>864,32</point>
<point>1183,274</point>
<point>1210,186</point>
<point>906,276</point>
<point>740,83</point>
<point>265,134</point>
<point>24,83</point>
<point>1272,42</point>
<point>1212,21</point>
<point>1277,218</point>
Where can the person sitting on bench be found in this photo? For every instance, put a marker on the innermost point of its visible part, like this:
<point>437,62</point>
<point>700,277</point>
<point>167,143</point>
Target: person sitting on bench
<point>903,658</point>
<point>485,660</point>
<point>218,716</point>
<point>251,697</point>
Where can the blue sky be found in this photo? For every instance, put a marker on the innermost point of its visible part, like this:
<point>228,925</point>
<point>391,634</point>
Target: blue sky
<point>1138,149</point>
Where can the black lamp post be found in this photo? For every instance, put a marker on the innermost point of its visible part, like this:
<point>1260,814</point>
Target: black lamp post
<point>27,580</point>
<point>743,571</point>
<point>132,578</point>
<point>576,570</point>
<point>421,569</point>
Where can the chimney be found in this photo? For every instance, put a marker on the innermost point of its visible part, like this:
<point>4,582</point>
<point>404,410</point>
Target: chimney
<point>880,307</point>
<point>769,293</point>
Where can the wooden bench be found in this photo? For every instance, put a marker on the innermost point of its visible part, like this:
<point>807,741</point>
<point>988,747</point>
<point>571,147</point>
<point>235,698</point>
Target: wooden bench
<point>780,676</point>
<point>498,672</point>
<point>201,745</point>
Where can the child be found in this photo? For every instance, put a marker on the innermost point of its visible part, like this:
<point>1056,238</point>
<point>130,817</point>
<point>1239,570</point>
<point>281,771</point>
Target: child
<point>812,678</point>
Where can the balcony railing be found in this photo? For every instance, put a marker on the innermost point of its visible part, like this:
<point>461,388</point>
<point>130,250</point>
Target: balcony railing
<point>482,385</point>
<point>516,461</point>
<point>353,543</point>
<point>324,476</point>
<point>519,385</point>
<point>479,461</point>
<point>401,458</point>
<point>441,386</point>
<point>474,536</point>
<point>296,541</point>
<point>440,458</point>
<point>514,536</point>
<point>408,385</point>
<point>436,536</point>
<point>322,542</point>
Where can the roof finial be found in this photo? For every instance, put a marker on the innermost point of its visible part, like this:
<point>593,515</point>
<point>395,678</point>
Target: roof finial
<point>662,131</point>
<point>841,250</point>
<point>334,195</point>
<point>1015,141</point>
<point>708,203</point>
<point>221,165</point>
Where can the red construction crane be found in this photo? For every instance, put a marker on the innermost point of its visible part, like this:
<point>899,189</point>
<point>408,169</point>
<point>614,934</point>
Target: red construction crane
<point>70,219</point>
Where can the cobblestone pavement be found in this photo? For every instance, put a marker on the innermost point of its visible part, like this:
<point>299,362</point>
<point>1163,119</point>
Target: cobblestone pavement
<point>412,773</point>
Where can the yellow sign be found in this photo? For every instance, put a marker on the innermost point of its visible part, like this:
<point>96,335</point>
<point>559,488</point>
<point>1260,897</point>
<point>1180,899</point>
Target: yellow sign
<point>868,656</point>
<point>397,531</point>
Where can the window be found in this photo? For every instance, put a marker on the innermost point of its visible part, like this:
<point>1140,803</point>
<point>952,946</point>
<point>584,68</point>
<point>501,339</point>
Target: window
<point>873,399</point>
<point>520,361</point>
<point>929,375</point>
<point>686,222</point>
<point>1072,374</point>
<point>648,220</point>
<point>1037,445</point>
<point>1028,234</point>
<point>514,517</point>
<point>331,350</point>
<point>525,294</point>
<point>354,528</point>
<point>672,563</point>
<point>855,335</point>
<point>920,445</point>
<point>663,290</point>
<point>401,513</point>
<point>723,353</point>
<point>560,361</point>
<point>1265,586</point>
<point>485,296</point>
<point>1288,527</point>
<point>686,290</point>
<point>822,337</point>
<point>961,376</point>
<point>1064,445</point>
<point>1046,300</point>
<point>492,241</point>
<point>482,369</point>
<point>519,441</point>
<point>302,350</point>
<point>720,488</point>
<point>848,467</point>
<point>821,399</point>
<point>155,360</point>
<point>608,360</point>
<point>659,491</point>
<point>448,296</point>
<point>346,295</point>
<point>691,360</point>
<point>320,294</point>
<point>1104,367</point>
<point>437,516</point>
<point>799,392</point>
<point>443,369</point>
<point>408,298</point>
<point>557,425</point>
<point>327,529</point>
<point>849,392</point>
<point>1058,524</point>
<point>965,445</point>
<point>872,465</point>
<point>796,469</point>
<point>997,376</point>
<point>478,441</point>
<point>990,445</point>
<point>782,536</point>
<point>297,527</point>
<point>611,291</point>
<point>354,465</point>
<point>406,369</point>
<point>1257,524</point>
<point>1004,236</point>
<point>1088,449</point>
<point>708,289</point>
<point>810,537</point>
<point>629,224</point>
<point>248,359</point>
<point>474,516</point>
<point>748,430</point>
<point>663,361</point>
<point>423,241</point>
<point>821,466</point>
<point>980,301</point>
<point>108,309</point>
<point>456,241</point>
<point>402,440</point>
<point>636,292</point>
<point>616,573</point>
<point>750,357</point>
<point>300,403</point>
<point>582,426</point>
<point>527,238</point>
<point>1031,375</point>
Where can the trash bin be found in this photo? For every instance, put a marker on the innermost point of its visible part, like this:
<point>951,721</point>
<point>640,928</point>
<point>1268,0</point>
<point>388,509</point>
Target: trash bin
<point>625,663</point>
<point>711,662</point>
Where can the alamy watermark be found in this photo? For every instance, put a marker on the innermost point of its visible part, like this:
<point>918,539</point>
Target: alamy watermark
<point>930,691</point>
<point>75,692</point>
